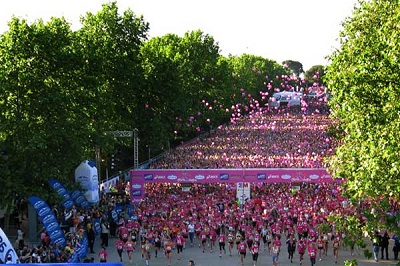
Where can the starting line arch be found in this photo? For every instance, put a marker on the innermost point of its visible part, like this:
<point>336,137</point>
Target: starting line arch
<point>138,178</point>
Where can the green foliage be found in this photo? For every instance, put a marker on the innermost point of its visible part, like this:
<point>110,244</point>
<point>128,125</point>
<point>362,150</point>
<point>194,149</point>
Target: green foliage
<point>61,90</point>
<point>56,85</point>
<point>316,74</point>
<point>295,66</point>
<point>352,262</point>
<point>39,112</point>
<point>368,254</point>
<point>324,228</point>
<point>364,81</point>
<point>251,74</point>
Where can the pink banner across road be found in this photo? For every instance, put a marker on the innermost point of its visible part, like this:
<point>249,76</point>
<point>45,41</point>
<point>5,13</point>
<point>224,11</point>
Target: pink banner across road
<point>267,175</point>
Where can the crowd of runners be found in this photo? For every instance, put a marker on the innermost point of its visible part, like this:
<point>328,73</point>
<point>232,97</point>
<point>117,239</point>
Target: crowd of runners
<point>276,139</point>
<point>171,220</point>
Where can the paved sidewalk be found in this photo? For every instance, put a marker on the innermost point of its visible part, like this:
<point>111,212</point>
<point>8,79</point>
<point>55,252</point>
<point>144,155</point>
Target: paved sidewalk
<point>213,259</point>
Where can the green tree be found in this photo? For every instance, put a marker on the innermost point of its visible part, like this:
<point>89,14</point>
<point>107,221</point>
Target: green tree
<point>182,73</point>
<point>162,99</point>
<point>110,73</point>
<point>39,115</point>
<point>295,66</point>
<point>254,74</point>
<point>364,80</point>
<point>315,74</point>
<point>61,90</point>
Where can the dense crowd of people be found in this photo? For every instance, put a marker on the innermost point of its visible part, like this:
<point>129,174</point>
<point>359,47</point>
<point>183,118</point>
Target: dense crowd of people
<point>273,139</point>
<point>275,220</point>
<point>208,215</point>
<point>75,223</point>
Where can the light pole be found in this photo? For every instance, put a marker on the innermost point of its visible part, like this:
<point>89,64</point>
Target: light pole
<point>149,148</point>
<point>129,134</point>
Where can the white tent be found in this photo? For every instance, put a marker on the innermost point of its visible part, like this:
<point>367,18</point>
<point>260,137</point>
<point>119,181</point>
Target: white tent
<point>290,98</point>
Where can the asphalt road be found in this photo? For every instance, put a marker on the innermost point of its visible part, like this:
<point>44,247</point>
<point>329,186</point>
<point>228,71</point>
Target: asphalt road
<point>212,259</point>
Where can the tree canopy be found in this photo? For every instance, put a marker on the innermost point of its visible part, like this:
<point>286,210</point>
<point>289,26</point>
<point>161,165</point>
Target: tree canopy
<point>61,90</point>
<point>295,66</point>
<point>363,78</point>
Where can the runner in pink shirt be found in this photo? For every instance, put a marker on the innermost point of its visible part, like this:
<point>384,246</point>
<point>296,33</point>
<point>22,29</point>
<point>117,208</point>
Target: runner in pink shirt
<point>103,255</point>
<point>312,252</point>
<point>277,242</point>
<point>320,247</point>
<point>213,238</point>
<point>301,247</point>
<point>242,250</point>
<point>231,240</point>
<point>130,225</point>
<point>179,241</point>
<point>129,247</point>
<point>221,243</point>
<point>257,237</point>
<point>249,238</point>
<point>203,239</point>
<point>255,249</point>
<point>336,246</point>
<point>123,233</point>
<point>120,248</point>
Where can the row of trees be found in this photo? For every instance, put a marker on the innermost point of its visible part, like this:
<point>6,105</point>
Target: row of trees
<point>363,78</point>
<point>61,90</point>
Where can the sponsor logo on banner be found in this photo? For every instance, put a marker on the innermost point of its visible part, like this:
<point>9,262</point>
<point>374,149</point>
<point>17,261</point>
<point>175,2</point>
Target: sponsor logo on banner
<point>62,191</point>
<point>59,241</point>
<point>224,176</point>
<point>136,186</point>
<point>172,177</point>
<point>135,201</point>
<point>68,204</point>
<point>52,226</point>
<point>314,176</point>
<point>273,176</point>
<point>55,234</point>
<point>199,177</point>
<point>261,176</point>
<point>97,227</point>
<point>49,219</point>
<point>39,204</point>
<point>286,176</point>
<point>148,177</point>
<point>11,253</point>
<point>6,249</point>
<point>44,211</point>
<point>80,199</point>
<point>114,215</point>
<point>136,193</point>
<point>56,185</point>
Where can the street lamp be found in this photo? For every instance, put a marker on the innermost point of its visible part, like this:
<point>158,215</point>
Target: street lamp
<point>149,149</point>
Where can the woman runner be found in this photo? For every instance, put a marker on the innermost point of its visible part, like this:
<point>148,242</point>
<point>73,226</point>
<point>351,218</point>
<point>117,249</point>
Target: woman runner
<point>254,252</point>
<point>168,250</point>
<point>242,247</point>
<point>230,242</point>
<point>120,248</point>
<point>129,247</point>
<point>148,247</point>
<point>221,243</point>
